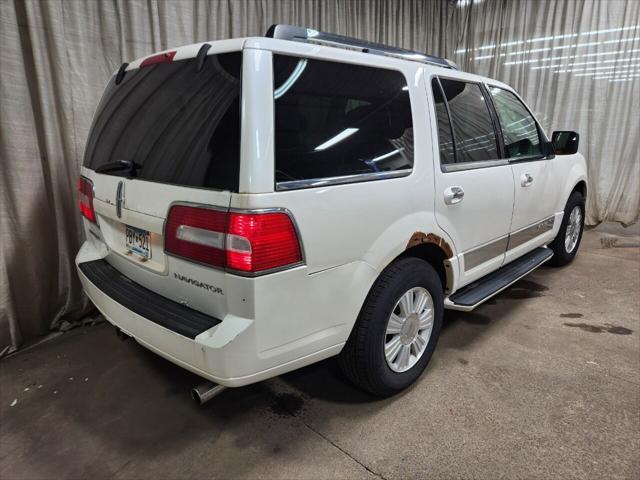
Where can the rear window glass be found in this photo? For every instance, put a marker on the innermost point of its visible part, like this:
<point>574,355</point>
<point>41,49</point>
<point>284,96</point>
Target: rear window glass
<point>178,125</point>
<point>445,136</point>
<point>472,126</point>
<point>336,119</point>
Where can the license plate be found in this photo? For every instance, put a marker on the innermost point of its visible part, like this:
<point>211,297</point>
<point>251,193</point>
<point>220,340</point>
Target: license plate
<point>137,241</point>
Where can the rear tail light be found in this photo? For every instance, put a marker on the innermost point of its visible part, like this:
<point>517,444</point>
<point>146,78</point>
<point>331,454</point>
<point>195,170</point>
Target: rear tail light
<point>196,233</point>
<point>243,242</point>
<point>261,241</point>
<point>85,197</point>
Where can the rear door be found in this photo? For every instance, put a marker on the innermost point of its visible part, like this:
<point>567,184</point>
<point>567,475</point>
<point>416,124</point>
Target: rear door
<point>168,133</point>
<point>473,186</point>
<point>536,187</point>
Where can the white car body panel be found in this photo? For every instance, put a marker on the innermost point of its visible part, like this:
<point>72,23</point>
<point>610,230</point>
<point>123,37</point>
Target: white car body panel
<point>349,233</point>
<point>481,219</point>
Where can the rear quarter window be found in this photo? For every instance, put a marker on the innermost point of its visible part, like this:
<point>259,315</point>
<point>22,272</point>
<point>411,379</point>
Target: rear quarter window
<point>336,119</point>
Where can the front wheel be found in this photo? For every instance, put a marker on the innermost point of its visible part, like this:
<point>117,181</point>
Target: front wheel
<point>565,245</point>
<point>397,330</point>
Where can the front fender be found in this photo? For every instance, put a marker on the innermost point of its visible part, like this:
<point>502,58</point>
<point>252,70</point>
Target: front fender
<point>575,172</point>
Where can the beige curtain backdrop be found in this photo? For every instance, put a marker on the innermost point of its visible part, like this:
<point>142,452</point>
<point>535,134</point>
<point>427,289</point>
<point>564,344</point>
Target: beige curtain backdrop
<point>594,49</point>
<point>56,56</point>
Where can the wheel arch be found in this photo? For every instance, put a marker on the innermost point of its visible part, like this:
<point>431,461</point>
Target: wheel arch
<point>581,187</point>
<point>433,248</point>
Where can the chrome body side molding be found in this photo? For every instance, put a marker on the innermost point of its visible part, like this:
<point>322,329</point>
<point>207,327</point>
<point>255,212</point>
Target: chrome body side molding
<point>325,182</point>
<point>491,250</point>
<point>529,233</point>
<point>485,253</point>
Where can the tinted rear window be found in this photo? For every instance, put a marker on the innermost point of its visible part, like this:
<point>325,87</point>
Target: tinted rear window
<point>180,125</point>
<point>445,136</point>
<point>472,126</point>
<point>336,119</point>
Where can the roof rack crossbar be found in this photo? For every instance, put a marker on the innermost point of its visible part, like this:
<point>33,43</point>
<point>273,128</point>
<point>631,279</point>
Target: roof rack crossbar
<point>301,34</point>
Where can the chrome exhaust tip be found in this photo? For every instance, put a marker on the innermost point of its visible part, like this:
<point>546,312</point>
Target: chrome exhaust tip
<point>206,391</point>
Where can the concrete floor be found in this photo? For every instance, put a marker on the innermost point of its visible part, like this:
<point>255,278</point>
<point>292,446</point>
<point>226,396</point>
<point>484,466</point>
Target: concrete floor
<point>543,381</point>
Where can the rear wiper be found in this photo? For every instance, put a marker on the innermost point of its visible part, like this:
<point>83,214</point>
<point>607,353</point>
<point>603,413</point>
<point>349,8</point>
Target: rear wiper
<point>128,165</point>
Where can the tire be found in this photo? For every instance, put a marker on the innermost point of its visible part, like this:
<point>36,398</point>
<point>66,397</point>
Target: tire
<point>363,359</point>
<point>561,254</point>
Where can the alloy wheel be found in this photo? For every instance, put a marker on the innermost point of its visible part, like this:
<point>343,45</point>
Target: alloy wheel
<point>409,329</point>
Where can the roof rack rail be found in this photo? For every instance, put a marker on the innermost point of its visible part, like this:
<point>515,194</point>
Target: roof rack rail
<point>302,34</point>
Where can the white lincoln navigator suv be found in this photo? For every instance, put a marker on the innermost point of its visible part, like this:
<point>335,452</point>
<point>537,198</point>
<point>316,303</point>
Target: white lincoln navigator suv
<point>255,205</point>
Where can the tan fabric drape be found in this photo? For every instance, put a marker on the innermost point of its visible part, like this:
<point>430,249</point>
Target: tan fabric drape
<point>56,57</point>
<point>605,111</point>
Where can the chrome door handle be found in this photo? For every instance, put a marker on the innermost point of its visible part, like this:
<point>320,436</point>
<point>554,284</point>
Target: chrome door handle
<point>526,180</point>
<point>453,195</point>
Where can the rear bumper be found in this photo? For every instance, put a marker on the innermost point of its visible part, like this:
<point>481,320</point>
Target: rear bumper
<point>232,351</point>
<point>178,318</point>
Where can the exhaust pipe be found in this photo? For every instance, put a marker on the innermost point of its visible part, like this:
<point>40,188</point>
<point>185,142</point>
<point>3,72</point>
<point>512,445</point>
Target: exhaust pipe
<point>206,391</point>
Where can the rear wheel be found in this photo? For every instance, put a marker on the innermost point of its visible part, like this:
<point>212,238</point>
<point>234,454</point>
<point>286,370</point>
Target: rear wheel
<point>565,245</point>
<point>397,330</point>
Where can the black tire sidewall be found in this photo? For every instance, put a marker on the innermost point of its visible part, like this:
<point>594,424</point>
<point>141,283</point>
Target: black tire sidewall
<point>560,254</point>
<point>414,273</point>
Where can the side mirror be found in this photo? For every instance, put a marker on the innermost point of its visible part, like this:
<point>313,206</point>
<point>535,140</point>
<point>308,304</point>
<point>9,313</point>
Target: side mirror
<point>565,142</point>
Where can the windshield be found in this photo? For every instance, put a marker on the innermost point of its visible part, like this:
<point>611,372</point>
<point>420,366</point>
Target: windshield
<point>173,123</point>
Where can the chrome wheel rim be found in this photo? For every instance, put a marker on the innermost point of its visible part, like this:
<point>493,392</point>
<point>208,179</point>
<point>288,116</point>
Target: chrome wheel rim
<point>409,329</point>
<point>574,225</point>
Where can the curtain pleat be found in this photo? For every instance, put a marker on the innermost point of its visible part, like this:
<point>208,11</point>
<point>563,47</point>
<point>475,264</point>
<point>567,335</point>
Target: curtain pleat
<point>563,46</point>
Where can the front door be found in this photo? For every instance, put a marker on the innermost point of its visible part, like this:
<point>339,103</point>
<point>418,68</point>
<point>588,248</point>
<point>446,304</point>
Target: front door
<point>536,188</point>
<point>474,188</point>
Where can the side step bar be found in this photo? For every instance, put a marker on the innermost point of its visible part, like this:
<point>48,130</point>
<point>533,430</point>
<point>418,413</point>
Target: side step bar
<point>472,295</point>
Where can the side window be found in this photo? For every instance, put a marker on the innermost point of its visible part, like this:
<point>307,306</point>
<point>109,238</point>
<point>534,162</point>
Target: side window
<point>475,138</point>
<point>445,136</point>
<point>336,119</point>
<point>519,129</point>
